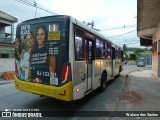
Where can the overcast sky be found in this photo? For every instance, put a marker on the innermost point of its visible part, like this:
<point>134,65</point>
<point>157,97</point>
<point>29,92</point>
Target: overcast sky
<point>106,14</point>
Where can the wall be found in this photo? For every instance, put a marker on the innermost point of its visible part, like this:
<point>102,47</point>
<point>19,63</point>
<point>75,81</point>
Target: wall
<point>155,65</point>
<point>156,52</point>
<point>148,13</point>
<point>6,64</point>
<point>131,62</point>
<point>7,49</point>
<point>2,33</point>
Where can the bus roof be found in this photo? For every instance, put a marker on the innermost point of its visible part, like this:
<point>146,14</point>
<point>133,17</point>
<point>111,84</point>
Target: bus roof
<point>73,20</point>
<point>43,19</point>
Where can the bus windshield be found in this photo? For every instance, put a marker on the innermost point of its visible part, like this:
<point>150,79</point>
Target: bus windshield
<point>38,50</point>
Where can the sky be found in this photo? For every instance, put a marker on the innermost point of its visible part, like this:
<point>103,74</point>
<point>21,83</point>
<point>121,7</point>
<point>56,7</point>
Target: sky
<point>116,19</point>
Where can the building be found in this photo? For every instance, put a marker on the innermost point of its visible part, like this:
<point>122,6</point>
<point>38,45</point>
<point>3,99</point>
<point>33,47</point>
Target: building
<point>148,29</point>
<point>7,39</point>
<point>7,46</point>
<point>145,57</point>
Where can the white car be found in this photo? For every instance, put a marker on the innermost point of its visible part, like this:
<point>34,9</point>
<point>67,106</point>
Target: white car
<point>140,64</point>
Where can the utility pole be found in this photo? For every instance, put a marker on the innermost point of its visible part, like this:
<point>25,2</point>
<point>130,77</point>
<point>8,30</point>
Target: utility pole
<point>35,5</point>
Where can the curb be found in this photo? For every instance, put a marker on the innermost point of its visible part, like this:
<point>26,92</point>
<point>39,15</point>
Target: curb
<point>134,71</point>
<point>131,72</point>
<point>5,82</point>
<point>158,78</point>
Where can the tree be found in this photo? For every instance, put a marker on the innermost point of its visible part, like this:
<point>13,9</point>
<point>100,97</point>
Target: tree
<point>138,50</point>
<point>125,51</point>
<point>124,48</point>
<point>132,56</point>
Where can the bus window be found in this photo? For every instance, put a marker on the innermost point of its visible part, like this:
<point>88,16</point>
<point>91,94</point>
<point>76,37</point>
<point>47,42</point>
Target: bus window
<point>79,53</point>
<point>53,27</point>
<point>109,51</point>
<point>116,52</point>
<point>106,50</point>
<point>119,53</point>
<point>103,50</point>
<point>100,51</point>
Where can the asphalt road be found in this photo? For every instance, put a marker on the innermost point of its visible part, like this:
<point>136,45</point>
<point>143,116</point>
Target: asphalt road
<point>109,100</point>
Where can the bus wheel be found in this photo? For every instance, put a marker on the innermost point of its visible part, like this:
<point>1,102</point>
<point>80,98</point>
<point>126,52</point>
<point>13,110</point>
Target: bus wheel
<point>103,81</point>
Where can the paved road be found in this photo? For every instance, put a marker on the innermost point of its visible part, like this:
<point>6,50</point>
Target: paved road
<point>11,98</point>
<point>120,95</point>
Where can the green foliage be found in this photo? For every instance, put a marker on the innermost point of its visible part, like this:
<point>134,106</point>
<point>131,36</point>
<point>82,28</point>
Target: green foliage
<point>124,48</point>
<point>132,56</point>
<point>138,50</point>
<point>125,51</point>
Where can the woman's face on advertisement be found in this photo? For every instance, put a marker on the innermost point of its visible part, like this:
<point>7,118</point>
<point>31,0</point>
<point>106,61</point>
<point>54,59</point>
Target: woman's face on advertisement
<point>17,44</point>
<point>40,36</point>
<point>29,41</point>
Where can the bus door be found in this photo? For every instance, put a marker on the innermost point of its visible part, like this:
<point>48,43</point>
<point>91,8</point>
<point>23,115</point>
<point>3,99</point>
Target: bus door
<point>89,63</point>
<point>113,62</point>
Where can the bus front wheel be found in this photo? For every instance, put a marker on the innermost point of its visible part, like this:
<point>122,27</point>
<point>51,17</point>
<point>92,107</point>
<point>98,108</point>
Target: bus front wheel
<point>103,81</point>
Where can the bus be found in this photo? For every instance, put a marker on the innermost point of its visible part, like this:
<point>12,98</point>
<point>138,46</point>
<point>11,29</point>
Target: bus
<point>60,57</point>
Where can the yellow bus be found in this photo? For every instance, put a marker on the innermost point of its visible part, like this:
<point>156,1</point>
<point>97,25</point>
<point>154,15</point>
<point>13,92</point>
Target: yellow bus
<point>60,57</point>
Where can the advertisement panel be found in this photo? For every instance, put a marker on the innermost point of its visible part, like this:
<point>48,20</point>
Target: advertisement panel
<point>36,52</point>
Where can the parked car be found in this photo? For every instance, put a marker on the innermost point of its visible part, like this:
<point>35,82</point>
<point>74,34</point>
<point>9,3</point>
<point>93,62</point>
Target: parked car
<point>140,64</point>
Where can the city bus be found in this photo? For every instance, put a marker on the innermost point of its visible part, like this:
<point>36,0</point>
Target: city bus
<point>60,57</point>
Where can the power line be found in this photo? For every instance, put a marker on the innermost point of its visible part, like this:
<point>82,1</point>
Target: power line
<point>35,4</point>
<point>129,43</point>
<point>45,9</point>
<point>102,30</point>
<point>128,26</point>
<point>125,38</point>
<point>122,34</point>
<point>25,2</point>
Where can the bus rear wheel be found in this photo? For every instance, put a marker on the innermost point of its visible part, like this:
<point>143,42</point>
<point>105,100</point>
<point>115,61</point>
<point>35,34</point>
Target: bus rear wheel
<point>103,81</point>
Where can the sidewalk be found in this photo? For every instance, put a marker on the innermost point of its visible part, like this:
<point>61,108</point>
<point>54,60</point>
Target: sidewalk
<point>2,81</point>
<point>140,92</point>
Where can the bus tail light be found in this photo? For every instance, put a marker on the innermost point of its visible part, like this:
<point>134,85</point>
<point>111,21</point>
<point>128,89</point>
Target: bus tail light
<point>65,74</point>
<point>65,71</point>
<point>16,69</point>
